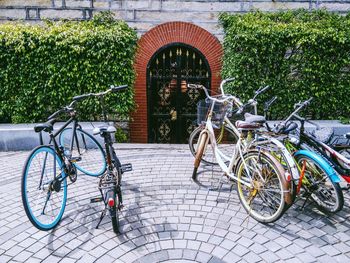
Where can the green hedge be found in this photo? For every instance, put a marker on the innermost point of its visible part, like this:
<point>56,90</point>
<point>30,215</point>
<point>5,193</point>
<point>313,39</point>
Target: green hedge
<point>43,66</point>
<point>299,53</point>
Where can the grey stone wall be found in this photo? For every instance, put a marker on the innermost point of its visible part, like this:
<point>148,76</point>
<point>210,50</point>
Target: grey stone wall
<point>145,14</point>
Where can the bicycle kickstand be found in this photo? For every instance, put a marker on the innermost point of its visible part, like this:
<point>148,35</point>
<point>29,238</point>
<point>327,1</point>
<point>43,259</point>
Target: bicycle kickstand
<point>103,213</point>
<point>308,195</point>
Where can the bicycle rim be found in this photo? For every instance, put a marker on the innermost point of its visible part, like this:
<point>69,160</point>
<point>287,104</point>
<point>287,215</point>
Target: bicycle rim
<point>44,203</point>
<point>264,201</point>
<point>324,192</point>
<point>92,158</point>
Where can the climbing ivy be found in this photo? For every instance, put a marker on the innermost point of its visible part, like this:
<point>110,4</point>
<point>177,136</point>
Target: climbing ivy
<point>43,66</point>
<point>299,53</point>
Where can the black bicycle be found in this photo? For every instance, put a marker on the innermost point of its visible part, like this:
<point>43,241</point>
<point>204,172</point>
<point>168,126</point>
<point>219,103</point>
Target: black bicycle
<point>44,179</point>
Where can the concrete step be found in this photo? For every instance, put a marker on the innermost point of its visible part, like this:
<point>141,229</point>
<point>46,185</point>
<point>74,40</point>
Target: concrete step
<point>16,137</point>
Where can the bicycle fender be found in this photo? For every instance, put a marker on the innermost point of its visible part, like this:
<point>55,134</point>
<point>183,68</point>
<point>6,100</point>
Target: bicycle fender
<point>332,174</point>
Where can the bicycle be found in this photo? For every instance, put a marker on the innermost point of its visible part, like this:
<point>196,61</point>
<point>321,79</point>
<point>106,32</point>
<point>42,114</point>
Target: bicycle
<point>317,176</point>
<point>261,186</point>
<point>44,179</point>
<point>225,136</point>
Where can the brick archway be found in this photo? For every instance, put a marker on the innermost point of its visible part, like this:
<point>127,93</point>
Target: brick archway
<point>149,44</point>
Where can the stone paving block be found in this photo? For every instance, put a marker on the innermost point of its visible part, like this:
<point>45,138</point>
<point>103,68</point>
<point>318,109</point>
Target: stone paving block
<point>330,250</point>
<point>175,253</point>
<point>189,254</point>
<point>203,257</point>
<point>194,245</point>
<point>240,250</point>
<point>219,252</point>
<point>268,256</point>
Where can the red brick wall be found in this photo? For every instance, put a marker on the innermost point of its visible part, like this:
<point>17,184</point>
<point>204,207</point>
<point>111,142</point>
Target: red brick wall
<point>157,37</point>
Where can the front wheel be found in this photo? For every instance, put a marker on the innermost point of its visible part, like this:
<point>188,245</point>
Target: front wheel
<point>225,140</point>
<point>44,188</point>
<point>264,198</point>
<point>324,192</point>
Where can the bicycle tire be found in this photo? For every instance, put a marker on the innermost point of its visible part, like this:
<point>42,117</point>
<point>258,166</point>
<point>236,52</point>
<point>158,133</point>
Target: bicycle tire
<point>322,189</point>
<point>257,210</point>
<point>93,161</point>
<point>114,210</point>
<point>41,168</point>
<point>117,191</point>
<point>200,150</point>
<point>208,156</point>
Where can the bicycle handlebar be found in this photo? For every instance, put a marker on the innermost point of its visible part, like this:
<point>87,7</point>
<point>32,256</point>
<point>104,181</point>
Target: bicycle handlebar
<point>225,98</point>
<point>223,83</point>
<point>252,101</point>
<point>99,94</point>
<point>299,106</point>
<point>69,108</point>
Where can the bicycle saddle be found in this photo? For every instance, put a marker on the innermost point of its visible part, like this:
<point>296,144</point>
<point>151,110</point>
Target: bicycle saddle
<point>254,118</point>
<point>104,129</point>
<point>47,126</point>
<point>248,125</point>
<point>323,134</point>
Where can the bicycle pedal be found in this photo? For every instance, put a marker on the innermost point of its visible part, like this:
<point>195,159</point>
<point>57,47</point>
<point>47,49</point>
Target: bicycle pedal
<point>96,200</point>
<point>126,167</point>
<point>75,159</point>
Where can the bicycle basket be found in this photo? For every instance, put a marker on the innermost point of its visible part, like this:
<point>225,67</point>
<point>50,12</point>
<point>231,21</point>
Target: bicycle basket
<point>219,112</point>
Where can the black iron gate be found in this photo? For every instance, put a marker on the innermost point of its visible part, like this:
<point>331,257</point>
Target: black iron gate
<point>171,105</point>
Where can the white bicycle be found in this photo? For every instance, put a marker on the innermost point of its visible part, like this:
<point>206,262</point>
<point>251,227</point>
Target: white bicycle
<point>261,184</point>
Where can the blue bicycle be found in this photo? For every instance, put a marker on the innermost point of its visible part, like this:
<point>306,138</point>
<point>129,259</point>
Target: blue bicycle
<point>45,173</point>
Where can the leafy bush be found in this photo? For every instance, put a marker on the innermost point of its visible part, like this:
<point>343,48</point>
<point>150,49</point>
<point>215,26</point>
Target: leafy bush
<point>43,66</point>
<point>299,53</point>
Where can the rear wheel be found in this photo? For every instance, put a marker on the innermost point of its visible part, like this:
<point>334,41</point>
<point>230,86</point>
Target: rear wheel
<point>113,209</point>
<point>264,198</point>
<point>327,194</point>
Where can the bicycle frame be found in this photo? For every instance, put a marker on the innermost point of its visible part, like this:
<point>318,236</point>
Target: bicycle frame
<point>221,157</point>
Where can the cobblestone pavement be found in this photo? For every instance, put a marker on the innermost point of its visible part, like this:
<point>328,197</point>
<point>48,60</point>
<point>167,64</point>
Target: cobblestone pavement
<point>167,218</point>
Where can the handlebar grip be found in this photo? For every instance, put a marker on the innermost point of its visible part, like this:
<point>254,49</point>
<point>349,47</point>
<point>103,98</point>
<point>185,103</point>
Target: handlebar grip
<point>263,89</point>
<point>115,89</point>
<point>229,80</point>
<point>81,97</point>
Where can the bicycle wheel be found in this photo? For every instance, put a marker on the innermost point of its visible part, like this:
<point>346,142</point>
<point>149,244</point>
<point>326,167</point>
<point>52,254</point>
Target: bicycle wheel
<point>324,192</point>
<point>44,188</point>
<point>264,200</point>
<point>113,208</point>
<point>87,153</point>
<point>225,139</point>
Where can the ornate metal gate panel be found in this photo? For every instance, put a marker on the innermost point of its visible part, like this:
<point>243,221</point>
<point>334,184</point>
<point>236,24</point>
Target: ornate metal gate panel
<point>172,106</point>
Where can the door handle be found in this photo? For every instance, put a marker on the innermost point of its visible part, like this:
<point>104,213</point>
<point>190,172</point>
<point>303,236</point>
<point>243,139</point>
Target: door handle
<point>173,115</point>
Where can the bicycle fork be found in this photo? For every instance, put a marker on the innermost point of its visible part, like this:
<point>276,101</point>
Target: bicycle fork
<point>203,141</point>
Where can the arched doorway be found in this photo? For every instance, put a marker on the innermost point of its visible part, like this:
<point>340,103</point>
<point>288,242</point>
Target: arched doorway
<point>154,40</point>
<point>171,104</point>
